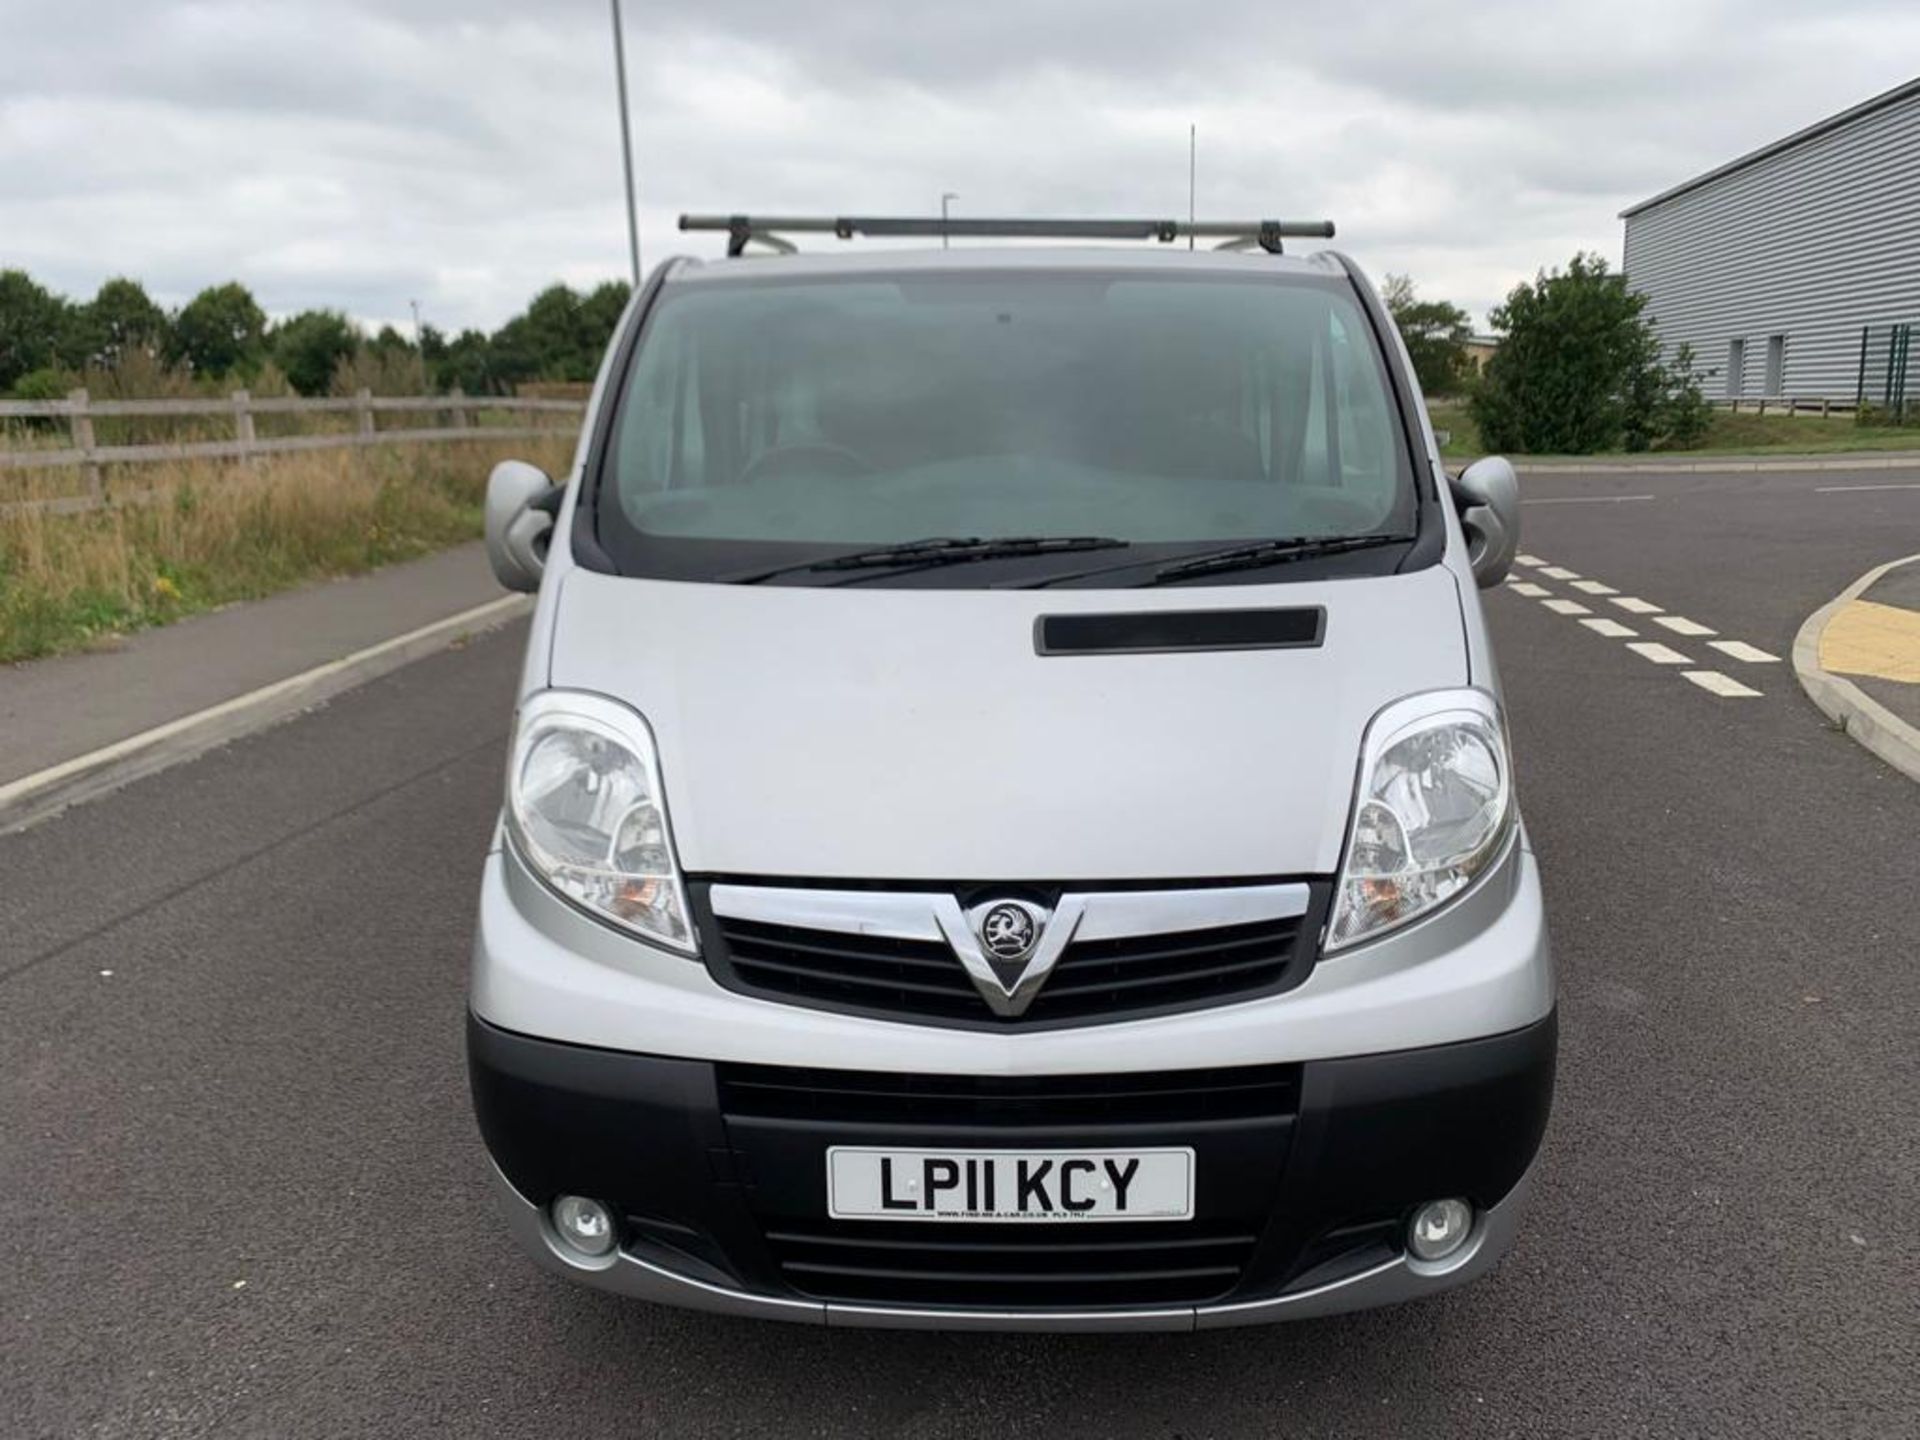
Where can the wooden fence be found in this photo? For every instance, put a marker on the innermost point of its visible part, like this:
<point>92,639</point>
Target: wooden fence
<point>469,417</point>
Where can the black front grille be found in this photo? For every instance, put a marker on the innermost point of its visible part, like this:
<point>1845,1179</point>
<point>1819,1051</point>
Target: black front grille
<point>1094,980</point>
<point>1084,1105</point>
<point>905,977</point>
<point>1012,1266</point>
<point>1149,972</point>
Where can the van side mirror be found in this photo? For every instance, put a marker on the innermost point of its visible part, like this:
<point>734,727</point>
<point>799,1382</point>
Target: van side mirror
<point>521,504</point>
<point>1487,495</point>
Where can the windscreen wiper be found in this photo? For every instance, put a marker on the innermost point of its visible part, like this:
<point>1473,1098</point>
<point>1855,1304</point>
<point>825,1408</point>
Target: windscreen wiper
<point>1271,552</point>
<point>940,550</point>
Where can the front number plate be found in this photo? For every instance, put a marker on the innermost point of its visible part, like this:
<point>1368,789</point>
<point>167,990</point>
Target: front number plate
<point>1009,1185</point>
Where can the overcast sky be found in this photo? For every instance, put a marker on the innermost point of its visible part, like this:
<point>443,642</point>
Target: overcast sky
<point>466,152</point>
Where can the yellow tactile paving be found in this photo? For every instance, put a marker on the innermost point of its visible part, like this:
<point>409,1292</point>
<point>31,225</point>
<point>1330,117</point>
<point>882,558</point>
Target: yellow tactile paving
<point>1868,639</point>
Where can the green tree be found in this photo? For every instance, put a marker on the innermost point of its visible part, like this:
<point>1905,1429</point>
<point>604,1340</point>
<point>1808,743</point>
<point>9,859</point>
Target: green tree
<point>465,361</point>
<point>120,319</point>
<point>600,316</point>
<point>219,331</point>
<point>32,322</point>
<point>1572,367</point>
<point>308,347</point>
<point>1435,332</point>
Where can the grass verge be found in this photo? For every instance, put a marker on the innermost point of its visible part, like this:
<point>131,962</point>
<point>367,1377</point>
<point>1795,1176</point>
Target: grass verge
<point>1729,434</point>
<point>210,533</point>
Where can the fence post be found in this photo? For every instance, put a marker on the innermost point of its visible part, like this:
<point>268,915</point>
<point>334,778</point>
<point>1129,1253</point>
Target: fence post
<point>363,414</point>
<point>460,417</point>
<point>81,425</point>
<point>243,422</point>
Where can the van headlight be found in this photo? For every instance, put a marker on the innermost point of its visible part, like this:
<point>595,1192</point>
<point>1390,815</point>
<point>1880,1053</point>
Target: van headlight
<point>586,811</point>
<point>1434,808</point>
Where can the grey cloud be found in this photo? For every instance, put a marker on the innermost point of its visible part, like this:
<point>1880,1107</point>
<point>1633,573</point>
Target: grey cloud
<point>362,154</point>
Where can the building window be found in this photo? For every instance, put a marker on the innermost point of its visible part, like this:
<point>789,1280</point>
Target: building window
<point>1736,368</point>
<point>1776,365</point>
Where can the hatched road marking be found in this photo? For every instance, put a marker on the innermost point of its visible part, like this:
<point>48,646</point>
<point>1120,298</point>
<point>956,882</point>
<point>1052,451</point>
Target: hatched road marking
<point>1594,587</point>
<point>1680,625</point>
<point>1636,606</point>
<point>1740,650</point>
<point>1719,684</point>
<point>1566,607</point>
<point>1531,591</point>
<point>1656,652</point>
<point>1530,561</point>
<point>1560,572</point>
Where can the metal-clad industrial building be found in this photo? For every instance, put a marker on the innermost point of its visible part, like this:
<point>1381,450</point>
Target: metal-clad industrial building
<point>1771,265</point>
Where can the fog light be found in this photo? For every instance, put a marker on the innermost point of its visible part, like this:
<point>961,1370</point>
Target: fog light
<point>584,1224</point>
<point>1439,1228</point>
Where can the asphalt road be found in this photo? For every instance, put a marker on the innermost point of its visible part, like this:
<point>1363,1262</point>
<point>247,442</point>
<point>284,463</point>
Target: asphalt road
<point>241,1194</point>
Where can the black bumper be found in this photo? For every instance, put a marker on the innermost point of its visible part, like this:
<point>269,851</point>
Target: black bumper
<point>1305,1173</point>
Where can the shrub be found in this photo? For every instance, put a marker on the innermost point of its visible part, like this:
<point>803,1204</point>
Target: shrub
<point>1571,363</point>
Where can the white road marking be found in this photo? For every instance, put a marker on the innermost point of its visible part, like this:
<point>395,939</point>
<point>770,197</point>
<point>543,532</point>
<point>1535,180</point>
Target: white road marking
<point>1719,684</point>
<point>1594,587</point>
<point>1566,607</point>
<point>1637,607</point>
<point>1587,500</point>
<point>1528,589</point>
<point>1612,629</point>
<point>1680,625</point>
<point>1659,654</point>
<point>1530,561</point>
<point>1740,650</point>
<point>1843,489</point>
<point>1560,572</point>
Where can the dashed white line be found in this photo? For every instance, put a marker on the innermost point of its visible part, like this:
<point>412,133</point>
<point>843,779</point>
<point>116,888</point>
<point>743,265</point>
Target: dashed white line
<point>1719,684</point>
<point>1659,654</point>
<point>1740,650</point>
<point>1715,682</point>
<point>1586,500</point>
<point>1680,625</point>
<point>1612,629</point>
<point>1842,489</point>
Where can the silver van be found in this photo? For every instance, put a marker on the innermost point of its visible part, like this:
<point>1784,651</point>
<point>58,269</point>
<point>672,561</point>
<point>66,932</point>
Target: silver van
<point>1010,822</point>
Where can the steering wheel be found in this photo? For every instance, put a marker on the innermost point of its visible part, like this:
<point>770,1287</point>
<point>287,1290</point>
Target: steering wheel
<point>769,463</point>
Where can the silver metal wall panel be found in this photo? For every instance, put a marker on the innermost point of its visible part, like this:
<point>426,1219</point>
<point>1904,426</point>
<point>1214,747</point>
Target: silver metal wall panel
<point>1810,242</point>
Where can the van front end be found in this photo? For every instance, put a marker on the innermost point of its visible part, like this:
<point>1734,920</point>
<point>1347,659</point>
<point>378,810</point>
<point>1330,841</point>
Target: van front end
<point>1403,1086</point>
<point>1010,820</point>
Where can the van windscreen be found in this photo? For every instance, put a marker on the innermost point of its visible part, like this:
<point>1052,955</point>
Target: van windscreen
<point>766,421</point>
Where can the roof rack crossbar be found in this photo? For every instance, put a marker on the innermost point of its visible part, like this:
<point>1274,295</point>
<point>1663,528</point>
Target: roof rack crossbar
<point>1235,234</point>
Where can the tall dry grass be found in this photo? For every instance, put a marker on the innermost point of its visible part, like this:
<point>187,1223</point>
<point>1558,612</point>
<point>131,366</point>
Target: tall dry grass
<point>212,532</point>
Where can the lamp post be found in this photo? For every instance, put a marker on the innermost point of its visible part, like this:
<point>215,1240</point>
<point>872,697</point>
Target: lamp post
<point>946,197</point>
<point>626,142</point>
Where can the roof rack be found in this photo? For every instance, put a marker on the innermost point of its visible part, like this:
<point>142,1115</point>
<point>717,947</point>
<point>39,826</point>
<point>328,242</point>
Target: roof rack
<point>1232,234</point>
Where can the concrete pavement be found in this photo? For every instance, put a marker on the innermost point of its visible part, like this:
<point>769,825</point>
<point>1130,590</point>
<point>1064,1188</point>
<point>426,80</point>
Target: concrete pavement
<point>74,725</point>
